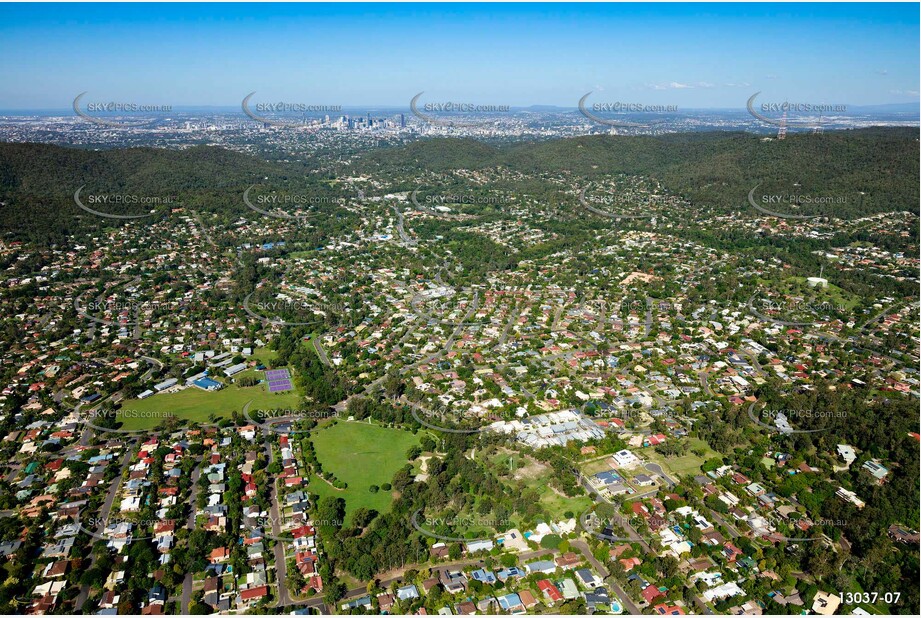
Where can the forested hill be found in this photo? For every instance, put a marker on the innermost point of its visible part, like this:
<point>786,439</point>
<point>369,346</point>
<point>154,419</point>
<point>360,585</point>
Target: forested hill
<point>47,169</point>
<point>38,182</point>
<point>714,168</point>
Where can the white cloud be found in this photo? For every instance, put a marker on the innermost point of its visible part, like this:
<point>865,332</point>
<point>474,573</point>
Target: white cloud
<point>679,86</point>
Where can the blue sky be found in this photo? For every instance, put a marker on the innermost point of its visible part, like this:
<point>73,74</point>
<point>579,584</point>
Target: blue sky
<point>691,55</point>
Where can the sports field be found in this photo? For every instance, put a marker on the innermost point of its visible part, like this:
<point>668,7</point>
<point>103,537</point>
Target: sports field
<point>197,405</point>
<point>361,455</point>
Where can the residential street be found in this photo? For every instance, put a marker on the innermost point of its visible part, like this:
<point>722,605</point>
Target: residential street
<point>583,547</point>
<point>188,582</point>
<point>104,515</point>
<point>281,567</point>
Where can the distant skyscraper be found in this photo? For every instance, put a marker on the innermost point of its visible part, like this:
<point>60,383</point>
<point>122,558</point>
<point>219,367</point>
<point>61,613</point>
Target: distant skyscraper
<point>402,121</point>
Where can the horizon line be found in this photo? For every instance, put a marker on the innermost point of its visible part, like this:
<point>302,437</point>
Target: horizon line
<point>405,107</point>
